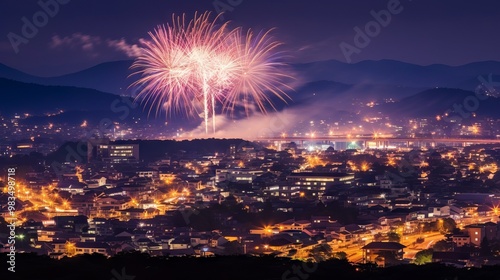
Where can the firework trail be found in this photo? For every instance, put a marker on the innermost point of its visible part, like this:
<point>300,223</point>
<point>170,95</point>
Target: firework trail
<point>208,63</point>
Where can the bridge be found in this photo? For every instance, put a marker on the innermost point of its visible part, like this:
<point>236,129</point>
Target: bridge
<point>371,138</point>
<point>383,142</point>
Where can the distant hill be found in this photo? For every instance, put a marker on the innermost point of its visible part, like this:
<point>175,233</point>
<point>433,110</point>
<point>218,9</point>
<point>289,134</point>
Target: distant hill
<point>39,99</point>
<point>113,77</point>
<point>397,73</point>
<point>73,105</point>
<point>432,102</point>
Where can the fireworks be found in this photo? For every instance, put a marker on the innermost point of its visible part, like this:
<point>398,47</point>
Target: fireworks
<point>259,70</point>
<point>204,63</point>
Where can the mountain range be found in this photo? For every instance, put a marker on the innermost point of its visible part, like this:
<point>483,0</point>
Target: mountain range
<point>115,77</point>
<point>111,77</point>
<point>417,91</point>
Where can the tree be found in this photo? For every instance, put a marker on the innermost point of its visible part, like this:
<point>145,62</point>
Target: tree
<point>397,225</point>
<point>423,257</point>
<point>341,255</point>
<point>443,246</point>
<point>393,236</point>
<point>233,248</point>
<point>320,207</point>
<point>448,225</point>
<point>321,252</point>
<point>485,250</point>
<point>230,201</point>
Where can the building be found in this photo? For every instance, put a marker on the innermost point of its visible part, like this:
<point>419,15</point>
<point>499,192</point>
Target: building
<point>148,173</point>
<point>92,145</point>
<point>100,226</point>
<point>316,183</point>
<point>118,153</point>
<point>282,191</point>
<point>72,186</point>
<point>92,247</point>
<point>383,253</point>
<point>326,179</point>
<point>240,175</point>
<point>439,211</point>
<point>479,231</point>
<point>108,206</point>
<point>461,239</point>
<point>476,234</point>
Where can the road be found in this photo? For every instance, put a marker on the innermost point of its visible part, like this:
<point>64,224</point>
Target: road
<point>412,248</point>
<point>355,255</point>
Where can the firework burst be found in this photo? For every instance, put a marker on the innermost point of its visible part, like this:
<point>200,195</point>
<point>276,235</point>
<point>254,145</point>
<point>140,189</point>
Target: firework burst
<point>259,70</point>
<point>200,62</point>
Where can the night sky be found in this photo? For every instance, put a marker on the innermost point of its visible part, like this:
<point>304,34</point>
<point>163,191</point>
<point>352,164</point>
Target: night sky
<point>84,33</point>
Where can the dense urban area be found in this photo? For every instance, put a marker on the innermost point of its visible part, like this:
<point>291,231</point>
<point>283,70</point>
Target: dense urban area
<point>420,202</point>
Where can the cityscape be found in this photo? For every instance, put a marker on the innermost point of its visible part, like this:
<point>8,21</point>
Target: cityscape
<point>248,140</point>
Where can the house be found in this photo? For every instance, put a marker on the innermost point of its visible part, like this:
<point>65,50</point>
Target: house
<point>293,225</point>
<point>284,192</point>
<point>57,256</point>
<point>461,239</point>
<point>72,186</point>
<point>180,243</point>
<point>71,223</point>
<point>142,244</point>
<point>148,173</point>
<point>476,234</point>
<point>491,230</point>
<point>194,184</point>
<point>100,226</point>
<point>88,238</point>
<point>46,235</point>
<point>383,253</point>
<point>31,226</point>
<point>137,213</point>
<point>96,181</point>
<point>108,205</point>
<point>202,239</point>
<point>217,240</point>
<point>82,203</point>
<point>479,231</point>
<point>58,246</point>
<point>282,244</point>
<point>92,247</point>
<point>439,211</point>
